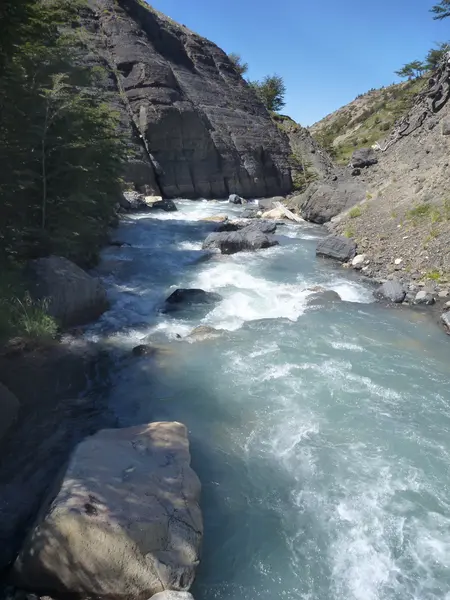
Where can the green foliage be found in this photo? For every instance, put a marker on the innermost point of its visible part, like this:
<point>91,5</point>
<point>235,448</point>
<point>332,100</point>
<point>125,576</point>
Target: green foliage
<point>412,69</point>
<point>349,233</point>
<point>60,151</point>
<point>435,55</point>
<point>355,212</point>
<point>302,172</point>
<point>441,10</point>
<point>434,275</point>
<point>19,315</point>
<point>240,66</point>
<point>421,210</point>
<point>271,91</point>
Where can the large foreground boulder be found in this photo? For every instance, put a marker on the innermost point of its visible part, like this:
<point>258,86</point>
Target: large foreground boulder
<point>238,241</point>
<point>71,296</point>
<point>393,291</point>
<point>9,409</point>
<point>125,523</point>
<point>337,247</point>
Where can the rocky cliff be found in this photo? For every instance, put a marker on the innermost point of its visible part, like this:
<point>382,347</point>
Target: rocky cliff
<point>196,128</point>
<point>402,223</point>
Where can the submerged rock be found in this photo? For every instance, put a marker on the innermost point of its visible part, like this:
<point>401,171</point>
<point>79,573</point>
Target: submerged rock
<point>192,296</point>
<point>238,241</point>
<point>323,297</point>
<point>72,296</point>
<point>337,247</point>
<point>145,350</point>
<point>392,291</point>
<point>125,522</point>
<point>204,331</point>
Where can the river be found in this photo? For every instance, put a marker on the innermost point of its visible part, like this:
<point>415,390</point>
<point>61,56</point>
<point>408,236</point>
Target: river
<point>320,435</point>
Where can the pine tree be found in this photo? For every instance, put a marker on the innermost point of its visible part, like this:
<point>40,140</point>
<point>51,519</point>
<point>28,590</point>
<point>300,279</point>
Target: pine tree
<point>271,91</point>
<point>441,10</point>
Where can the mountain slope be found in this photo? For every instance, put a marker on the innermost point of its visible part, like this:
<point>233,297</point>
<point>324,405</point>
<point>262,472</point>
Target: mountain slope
<point>365,120</point>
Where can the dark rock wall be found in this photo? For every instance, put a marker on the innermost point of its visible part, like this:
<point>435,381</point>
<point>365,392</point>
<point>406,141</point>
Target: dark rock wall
<point>198,128</point>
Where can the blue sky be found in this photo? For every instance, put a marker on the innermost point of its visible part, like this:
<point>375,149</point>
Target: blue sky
<point>328,52</point>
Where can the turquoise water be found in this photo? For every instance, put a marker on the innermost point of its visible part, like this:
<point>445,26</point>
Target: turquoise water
<point>321,435</point>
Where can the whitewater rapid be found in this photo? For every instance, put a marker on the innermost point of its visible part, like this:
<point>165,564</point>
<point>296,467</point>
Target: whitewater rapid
<point>320,435</point>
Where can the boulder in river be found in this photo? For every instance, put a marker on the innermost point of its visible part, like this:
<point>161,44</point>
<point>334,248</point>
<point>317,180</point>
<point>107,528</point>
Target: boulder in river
<point>445,318</point>
<point>183,297</point>
<point>238,241</point>
<point>337,247</point>
<point>235,199</point>
<point>72,296</point>
<point>9,409</point>
<point>259,225</point>
<point>392,291</point>
<point>125,522</point>
<point>323,298</point>
<point>166,205</point>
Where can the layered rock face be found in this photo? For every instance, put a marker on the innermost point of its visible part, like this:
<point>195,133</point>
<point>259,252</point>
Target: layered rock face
<point>198,128</point>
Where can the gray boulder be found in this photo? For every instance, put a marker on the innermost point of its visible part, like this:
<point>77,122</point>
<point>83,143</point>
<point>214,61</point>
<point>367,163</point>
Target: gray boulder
<point>250,213</point>
<point>235,199</point>
<point>392,291</point>
<point>263,226</point>
<point>260,225</point>
<point>71,296</point>
<point>9,409</point>
<point>238,241</point>
<point>445,318</point>
<point>337,247</point>
<point>183,297</point>
<point>125,522</point>
<point>364,157</point>
<point>424,297</point>
<point>323,201</point>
